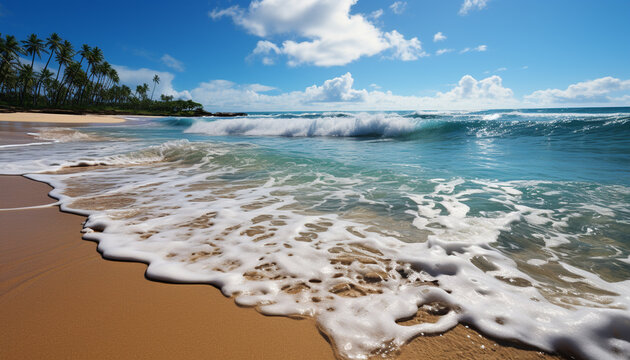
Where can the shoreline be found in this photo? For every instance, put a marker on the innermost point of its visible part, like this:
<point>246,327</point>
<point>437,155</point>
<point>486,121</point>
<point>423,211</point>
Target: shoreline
<point>71,272</point>
<point>60,299</point>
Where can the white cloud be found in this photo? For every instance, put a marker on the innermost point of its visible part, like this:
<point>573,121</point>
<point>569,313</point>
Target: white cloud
<point>376,14</point>
<point>472,4</point>
<point>338,89</point>
<point>135,77</point>
<point>525,67</point>
<point>267,50</point>
<point>318,32</point>
<point>173,63</point>
<point>471,91</point>
<point>338,94</point>
<point>439,37</point>
<point>405,50</point>
<point>443,51</point>
<point>260,88</point>
<point>266,47</point>
<point>480,48</point>
<point>500,69</point>
<point>398,7</point>
<point>586,92</point>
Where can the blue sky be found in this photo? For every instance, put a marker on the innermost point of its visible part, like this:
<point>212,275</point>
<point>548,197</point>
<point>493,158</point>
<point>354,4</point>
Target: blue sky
<point>354,55</point>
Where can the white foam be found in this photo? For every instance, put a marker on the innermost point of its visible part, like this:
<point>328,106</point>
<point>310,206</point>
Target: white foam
<point>491,117</point>
<point>363,124</point>
<point>25,144</point>
<point>60,134</point>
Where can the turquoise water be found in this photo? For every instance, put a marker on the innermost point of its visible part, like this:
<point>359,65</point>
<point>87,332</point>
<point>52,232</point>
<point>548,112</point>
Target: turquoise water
<point>556,144</point>
<point>533,204</point>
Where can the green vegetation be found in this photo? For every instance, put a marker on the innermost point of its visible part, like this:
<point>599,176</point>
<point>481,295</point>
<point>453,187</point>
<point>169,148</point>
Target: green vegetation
<point>82,83</point>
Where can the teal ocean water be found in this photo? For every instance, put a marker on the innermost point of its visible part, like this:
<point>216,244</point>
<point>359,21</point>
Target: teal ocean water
<point>515,221</point>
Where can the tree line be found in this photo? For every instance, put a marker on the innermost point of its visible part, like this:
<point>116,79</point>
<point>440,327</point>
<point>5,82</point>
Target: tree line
<point>73,79</point>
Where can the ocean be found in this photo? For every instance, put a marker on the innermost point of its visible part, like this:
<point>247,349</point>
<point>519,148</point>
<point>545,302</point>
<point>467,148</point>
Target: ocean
<point>515,222</point>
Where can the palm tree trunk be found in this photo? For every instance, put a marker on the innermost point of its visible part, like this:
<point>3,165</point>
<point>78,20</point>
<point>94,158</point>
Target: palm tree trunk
<point>39,82</point>
<point>58,71</point>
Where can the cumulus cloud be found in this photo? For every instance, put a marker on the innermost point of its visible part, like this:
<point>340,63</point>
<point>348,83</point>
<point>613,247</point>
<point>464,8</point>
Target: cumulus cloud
<point>318,32</point>
<point>398,7</point>
<point>586,92</point>
<point>405,50</point>
<point>267,50</point>
<point>339,94</point>
<point>443,51</point>
<point>439,37</point>
<point>471,5</point>
<point>135,77</point>
<point>173,63</point>
<point>338,89</point>
<point>469,90</point>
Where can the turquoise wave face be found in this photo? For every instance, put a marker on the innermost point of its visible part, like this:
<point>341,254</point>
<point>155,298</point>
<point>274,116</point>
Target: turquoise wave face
<point>558,144</point>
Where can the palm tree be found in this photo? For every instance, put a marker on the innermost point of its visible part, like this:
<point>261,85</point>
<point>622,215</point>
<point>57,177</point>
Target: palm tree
<point>27,79</point>
<point>98,84</point>
<point>145,90</point>
<point>142,90</point>
<point>9,52</point>
<point>94,57</point>
<point>125,93</point>
<point>45,78</point>
<point>53,42</point>
<point>84,52</point>
<point>102,71</point>
<point>10,49</point>
<point>156,80</point>
<point>64,56</point>
<point>34,46</point>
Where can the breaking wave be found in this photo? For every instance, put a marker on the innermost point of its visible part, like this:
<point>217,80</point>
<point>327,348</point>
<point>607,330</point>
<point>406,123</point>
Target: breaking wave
<point>409,126</point>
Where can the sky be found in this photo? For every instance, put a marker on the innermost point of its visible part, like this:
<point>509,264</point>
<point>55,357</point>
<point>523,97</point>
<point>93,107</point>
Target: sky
<point>273,55</point>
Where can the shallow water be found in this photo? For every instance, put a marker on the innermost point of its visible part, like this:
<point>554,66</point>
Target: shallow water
<point>513,221</point>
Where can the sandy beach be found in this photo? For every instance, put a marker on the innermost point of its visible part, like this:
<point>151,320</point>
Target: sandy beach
<point>60,299</point>
<point>60,118</point>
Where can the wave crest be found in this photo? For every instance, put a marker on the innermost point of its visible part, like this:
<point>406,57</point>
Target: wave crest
<point>394,125</point>
<point>368,125</point>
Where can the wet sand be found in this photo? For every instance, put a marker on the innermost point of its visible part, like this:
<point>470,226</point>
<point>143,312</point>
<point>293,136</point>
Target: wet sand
<point>60,299</point>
